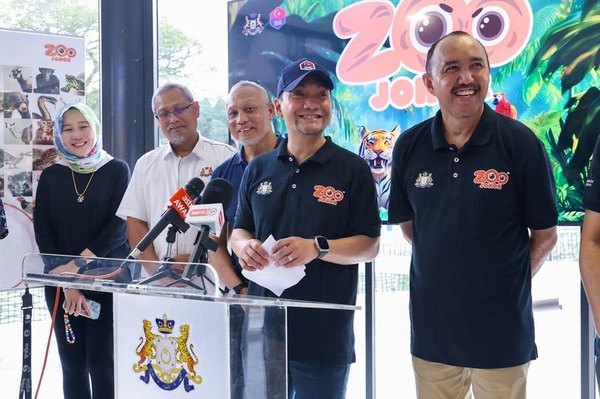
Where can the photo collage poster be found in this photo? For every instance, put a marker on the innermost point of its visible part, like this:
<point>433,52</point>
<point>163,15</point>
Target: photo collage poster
<point>543,57</point>
<point>39,74</point>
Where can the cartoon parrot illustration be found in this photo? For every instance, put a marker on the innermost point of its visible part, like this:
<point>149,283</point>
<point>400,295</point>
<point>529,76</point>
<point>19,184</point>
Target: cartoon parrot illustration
<point>503,106</point>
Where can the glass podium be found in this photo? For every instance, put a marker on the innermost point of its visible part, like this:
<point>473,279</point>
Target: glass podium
<point>176,335</point>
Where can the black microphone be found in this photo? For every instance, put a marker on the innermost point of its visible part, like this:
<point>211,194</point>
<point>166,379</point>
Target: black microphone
<point>177,209</point>
<point>218,191</point>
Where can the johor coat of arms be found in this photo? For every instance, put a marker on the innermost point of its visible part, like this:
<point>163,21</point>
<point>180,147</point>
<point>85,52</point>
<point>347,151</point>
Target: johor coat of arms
<point>167,360</point>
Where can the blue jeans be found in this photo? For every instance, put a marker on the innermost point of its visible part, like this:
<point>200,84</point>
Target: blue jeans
<point>317,381</point>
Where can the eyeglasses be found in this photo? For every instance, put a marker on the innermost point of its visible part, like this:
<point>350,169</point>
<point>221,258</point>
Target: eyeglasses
<point>163,116</point>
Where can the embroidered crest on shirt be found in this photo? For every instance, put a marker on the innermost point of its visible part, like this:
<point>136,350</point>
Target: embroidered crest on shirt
<point>206,171</point>
<point>424,180</point>
<point>328,195</point>
<point>491,179</point>
<point>264,188</point>
<point>168,361</point>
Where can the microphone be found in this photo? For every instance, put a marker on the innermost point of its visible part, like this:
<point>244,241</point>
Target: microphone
<point>208,217</point>
<point>215,199</point>
<point>176,212</point>
<point>209,212</point>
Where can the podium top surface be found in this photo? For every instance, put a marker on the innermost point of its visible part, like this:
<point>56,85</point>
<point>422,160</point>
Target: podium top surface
<point>196,282</point>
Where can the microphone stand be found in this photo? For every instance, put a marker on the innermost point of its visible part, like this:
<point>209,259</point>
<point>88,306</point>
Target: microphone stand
<point>202,245</point>
<point>165,268</point>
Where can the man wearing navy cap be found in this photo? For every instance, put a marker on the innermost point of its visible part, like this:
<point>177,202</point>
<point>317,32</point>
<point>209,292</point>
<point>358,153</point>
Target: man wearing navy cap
<point>473,192</point>
<point>319,202</point>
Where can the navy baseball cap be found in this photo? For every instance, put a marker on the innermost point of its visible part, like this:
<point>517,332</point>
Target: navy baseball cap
<point>293,74</point>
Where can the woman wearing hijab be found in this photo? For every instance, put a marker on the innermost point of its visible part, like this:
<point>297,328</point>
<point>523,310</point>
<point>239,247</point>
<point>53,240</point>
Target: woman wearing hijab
<point>76,201</point>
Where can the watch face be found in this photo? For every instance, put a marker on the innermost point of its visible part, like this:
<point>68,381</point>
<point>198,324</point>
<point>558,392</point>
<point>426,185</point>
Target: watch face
<point>322,242</point>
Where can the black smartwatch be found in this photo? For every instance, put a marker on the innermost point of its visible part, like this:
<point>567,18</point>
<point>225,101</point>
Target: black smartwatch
<point>238,288</point>
<point>322,246</point>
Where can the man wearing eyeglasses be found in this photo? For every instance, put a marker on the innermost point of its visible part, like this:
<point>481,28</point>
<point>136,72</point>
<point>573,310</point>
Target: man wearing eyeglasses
<point>159,173</point>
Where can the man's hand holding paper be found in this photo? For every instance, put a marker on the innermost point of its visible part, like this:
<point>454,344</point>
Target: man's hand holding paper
<point>282,271</point>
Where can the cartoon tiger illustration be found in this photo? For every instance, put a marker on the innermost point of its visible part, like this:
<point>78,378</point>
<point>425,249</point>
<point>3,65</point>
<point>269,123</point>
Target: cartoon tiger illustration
<point>376,149</point>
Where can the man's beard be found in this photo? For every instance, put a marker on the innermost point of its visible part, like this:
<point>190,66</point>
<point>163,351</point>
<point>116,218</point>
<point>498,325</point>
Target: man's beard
<point>309,132</point>
<point>177,139</point>
<point>254,140</point>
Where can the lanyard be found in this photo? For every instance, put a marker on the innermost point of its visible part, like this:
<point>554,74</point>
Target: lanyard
<point>25,389</point>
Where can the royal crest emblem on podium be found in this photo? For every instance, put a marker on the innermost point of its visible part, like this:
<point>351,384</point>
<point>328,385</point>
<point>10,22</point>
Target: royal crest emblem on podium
<point>168,361</point>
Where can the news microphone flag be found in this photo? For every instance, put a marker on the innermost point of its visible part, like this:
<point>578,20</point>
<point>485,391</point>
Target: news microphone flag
<point>210,215</point>
<point>175,214</point>
<point>181,201</point>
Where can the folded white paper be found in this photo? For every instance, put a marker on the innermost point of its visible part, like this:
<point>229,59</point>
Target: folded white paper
<point>275,278</point>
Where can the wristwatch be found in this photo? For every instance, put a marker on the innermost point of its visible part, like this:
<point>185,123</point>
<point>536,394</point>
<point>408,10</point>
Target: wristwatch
<point>322,246</point>
<point>238,288</point>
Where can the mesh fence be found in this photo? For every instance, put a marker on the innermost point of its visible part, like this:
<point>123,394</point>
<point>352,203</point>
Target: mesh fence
<point>567,249</point>
<point>11,302</point>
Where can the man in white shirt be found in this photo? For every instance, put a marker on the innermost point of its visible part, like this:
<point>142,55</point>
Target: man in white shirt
<point>159,173</point>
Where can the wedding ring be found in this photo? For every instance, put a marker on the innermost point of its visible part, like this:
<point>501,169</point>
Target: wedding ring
<point>290,257</point>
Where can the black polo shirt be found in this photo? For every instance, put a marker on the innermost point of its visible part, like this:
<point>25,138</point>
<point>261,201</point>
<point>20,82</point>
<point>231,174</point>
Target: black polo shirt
<point>470,278</point>
<point>331,194</point>
<point>591,195</point>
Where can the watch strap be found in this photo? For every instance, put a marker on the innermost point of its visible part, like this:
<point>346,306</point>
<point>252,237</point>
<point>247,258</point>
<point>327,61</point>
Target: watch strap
<point>238,288</point>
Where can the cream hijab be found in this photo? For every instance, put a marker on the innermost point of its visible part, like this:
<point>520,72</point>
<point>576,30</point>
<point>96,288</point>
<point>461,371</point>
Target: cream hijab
<point>96,158</point>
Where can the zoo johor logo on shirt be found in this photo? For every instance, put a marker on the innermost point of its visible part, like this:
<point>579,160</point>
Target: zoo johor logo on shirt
<point>328,195</point>
<point>491,179</point>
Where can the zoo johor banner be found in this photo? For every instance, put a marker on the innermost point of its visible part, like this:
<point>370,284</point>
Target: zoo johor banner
<point>543,53</point>
<point>38,75</point>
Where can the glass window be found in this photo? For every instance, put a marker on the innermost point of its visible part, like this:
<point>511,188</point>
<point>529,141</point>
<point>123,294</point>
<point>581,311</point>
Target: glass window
<point>192,50</point>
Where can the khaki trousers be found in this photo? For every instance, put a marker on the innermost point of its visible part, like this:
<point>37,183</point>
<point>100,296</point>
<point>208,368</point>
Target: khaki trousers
<point>441,381</point>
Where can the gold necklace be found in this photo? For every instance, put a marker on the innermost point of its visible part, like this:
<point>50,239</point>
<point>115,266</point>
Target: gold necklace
<point>80,196</point>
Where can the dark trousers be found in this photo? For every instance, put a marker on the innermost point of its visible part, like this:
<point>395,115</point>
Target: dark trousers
<point>236,326</point>
<point>90,357</point>
<point>317,381</point>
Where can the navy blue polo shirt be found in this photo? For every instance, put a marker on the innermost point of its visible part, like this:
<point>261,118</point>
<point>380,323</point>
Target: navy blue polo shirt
<point>591,195</point>
<point>331,194</point>
<point>232,170</point>
<point>470,277</point>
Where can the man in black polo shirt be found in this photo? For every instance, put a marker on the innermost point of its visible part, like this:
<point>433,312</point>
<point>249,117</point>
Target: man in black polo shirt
<point>319,202</point>
<point>474,194</point>
<point>589,256</point>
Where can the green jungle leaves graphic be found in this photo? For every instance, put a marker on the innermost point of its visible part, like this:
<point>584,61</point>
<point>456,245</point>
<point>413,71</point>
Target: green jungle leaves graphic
<point>571,46</point>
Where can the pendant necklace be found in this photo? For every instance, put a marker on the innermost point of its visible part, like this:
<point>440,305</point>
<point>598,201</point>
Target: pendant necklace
<point>80,196</point>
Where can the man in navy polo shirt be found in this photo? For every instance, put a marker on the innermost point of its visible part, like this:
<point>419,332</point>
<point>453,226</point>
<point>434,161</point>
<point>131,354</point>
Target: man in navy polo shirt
<point>249,116</point>
<point>474,193</point>
<point>319,202</point>
<point>589,255</point>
